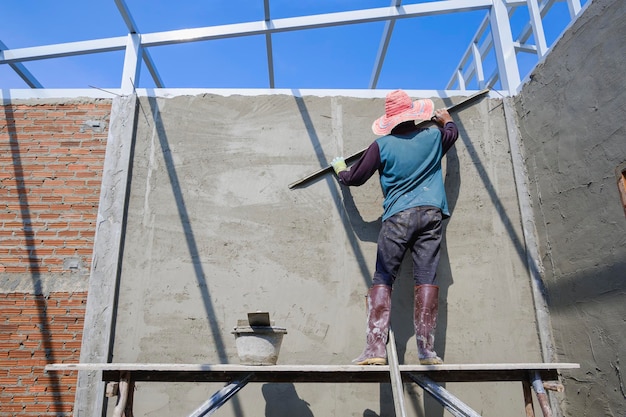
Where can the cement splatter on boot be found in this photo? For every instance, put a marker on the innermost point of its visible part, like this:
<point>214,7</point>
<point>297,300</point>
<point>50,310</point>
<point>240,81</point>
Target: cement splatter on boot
<point>377,331</point>
<point>425,321</point>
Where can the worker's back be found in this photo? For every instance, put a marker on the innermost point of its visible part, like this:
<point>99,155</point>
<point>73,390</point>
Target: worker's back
<point>411,171</point>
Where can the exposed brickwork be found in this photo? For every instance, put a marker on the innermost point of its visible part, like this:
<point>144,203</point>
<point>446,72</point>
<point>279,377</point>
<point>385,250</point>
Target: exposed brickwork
<point>51,159</point>
<point>35,331</point>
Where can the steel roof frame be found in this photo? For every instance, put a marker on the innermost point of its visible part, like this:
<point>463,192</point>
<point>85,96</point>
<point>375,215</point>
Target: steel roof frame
<point>496,25</point>
<point>470,66</point>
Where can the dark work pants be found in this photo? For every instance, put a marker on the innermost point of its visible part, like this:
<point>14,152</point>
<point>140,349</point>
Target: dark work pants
<point>419,230</point>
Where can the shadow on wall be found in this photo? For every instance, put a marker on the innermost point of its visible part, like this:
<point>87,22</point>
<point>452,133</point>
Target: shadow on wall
<point>331,183</point>
<point>604,285</point>
<point>283,400</point>
<point>190,239</point>
<point>587,313</point>
<point>55,388</point>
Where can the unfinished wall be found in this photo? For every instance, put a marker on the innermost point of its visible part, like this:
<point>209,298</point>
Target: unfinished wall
<point>214,233</point>
<point>51,156</point>
<point>571,119</point>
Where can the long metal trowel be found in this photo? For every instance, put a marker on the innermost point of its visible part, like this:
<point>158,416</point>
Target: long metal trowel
<point>454,108</point>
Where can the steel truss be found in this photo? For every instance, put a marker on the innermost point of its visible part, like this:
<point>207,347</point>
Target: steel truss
<point>493,35</point>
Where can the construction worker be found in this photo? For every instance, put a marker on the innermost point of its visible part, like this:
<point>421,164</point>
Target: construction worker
<point>408,160</point>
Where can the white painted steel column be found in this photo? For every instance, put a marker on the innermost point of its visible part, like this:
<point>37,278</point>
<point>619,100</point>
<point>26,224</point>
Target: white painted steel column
<point>130,73</point>
<point>503,45</point>
<point>382,48</point>
<point>537,24</point>
<point>574,8</point>
<point>460,79</point>
<point>478,65</point>
<point>132,28</point>
<point>268,44</point>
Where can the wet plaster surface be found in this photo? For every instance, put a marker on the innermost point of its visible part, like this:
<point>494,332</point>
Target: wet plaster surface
<point>214,233</point>
<point>570,122</point>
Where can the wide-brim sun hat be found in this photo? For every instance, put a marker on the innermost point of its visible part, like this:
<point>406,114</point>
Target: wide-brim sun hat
<point>400,108</point>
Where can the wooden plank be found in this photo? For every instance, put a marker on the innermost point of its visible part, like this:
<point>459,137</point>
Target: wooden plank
<point>528,399</point>
<point>317,373</point>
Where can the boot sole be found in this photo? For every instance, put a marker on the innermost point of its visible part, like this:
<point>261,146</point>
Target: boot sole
<point>373,361</point>
<point>431,361</point>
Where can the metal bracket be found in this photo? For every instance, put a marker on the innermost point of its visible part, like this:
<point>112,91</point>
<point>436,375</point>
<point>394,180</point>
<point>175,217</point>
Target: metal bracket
<point>220,398</point>
<point>451,403</point>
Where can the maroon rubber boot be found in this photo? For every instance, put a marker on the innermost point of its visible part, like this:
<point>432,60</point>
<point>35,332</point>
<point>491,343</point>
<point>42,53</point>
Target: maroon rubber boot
<point>377,333</point>
<point>425,321</point>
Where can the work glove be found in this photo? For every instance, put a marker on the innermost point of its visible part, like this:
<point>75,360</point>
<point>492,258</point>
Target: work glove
<point>339,164</point>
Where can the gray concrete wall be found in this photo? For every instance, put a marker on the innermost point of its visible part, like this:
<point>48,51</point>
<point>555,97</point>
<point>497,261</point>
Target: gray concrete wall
<point>214,232</point>
<point>571,117</point>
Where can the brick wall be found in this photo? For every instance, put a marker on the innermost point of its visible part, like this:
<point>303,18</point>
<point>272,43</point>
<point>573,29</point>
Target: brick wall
<point>51,158</point>
<point>36,330</point>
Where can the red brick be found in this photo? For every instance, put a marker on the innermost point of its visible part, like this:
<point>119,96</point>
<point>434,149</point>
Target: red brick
<point>27,328</point>
<point>14,389</point>
<point>15,269</point>
<point>11,408</point>
<point>38,388</point>
<point>20,353</point>
<point>36,408</point>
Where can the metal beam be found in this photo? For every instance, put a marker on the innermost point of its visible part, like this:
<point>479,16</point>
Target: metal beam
<point>527,30</point>
<point>62,50</point>
<point>537,25</point>
<point>451,403</point>
<point>573,7</point>
<point>268,45</point>
<point>130,73</point>
<point>525,48</point>
<point>478,65</point>
<point>382,48</point>
<point>22,72</point>
<point>520,45</point>
<point>128,18</point>
<point>156,77</point>
<point>460,80</point>
<point>220,398</point>
<point>145,55</point>
<point>484,25</point>
<point>264,27</point>
<point>313,21</point>
<point>503,46</point>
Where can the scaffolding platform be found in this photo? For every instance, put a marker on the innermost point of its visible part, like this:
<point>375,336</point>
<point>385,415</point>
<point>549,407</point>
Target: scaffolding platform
<point>538,375</point>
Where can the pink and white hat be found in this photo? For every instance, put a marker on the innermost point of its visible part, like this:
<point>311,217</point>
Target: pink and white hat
<point>400,108</point>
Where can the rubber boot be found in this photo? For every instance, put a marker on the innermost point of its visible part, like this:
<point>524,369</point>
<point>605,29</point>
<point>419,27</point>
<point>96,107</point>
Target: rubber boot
<point>425,321</point>
<point>377,333</point>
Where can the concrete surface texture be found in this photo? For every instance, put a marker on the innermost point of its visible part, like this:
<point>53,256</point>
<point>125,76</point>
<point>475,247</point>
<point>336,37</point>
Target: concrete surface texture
<point>571,120</point>
<point>213,233</point>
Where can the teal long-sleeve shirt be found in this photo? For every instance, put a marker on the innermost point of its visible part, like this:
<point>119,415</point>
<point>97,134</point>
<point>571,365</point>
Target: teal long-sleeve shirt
<point>409,167</point>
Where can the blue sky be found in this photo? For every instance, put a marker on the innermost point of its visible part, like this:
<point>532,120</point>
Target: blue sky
<point>422,54</point>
